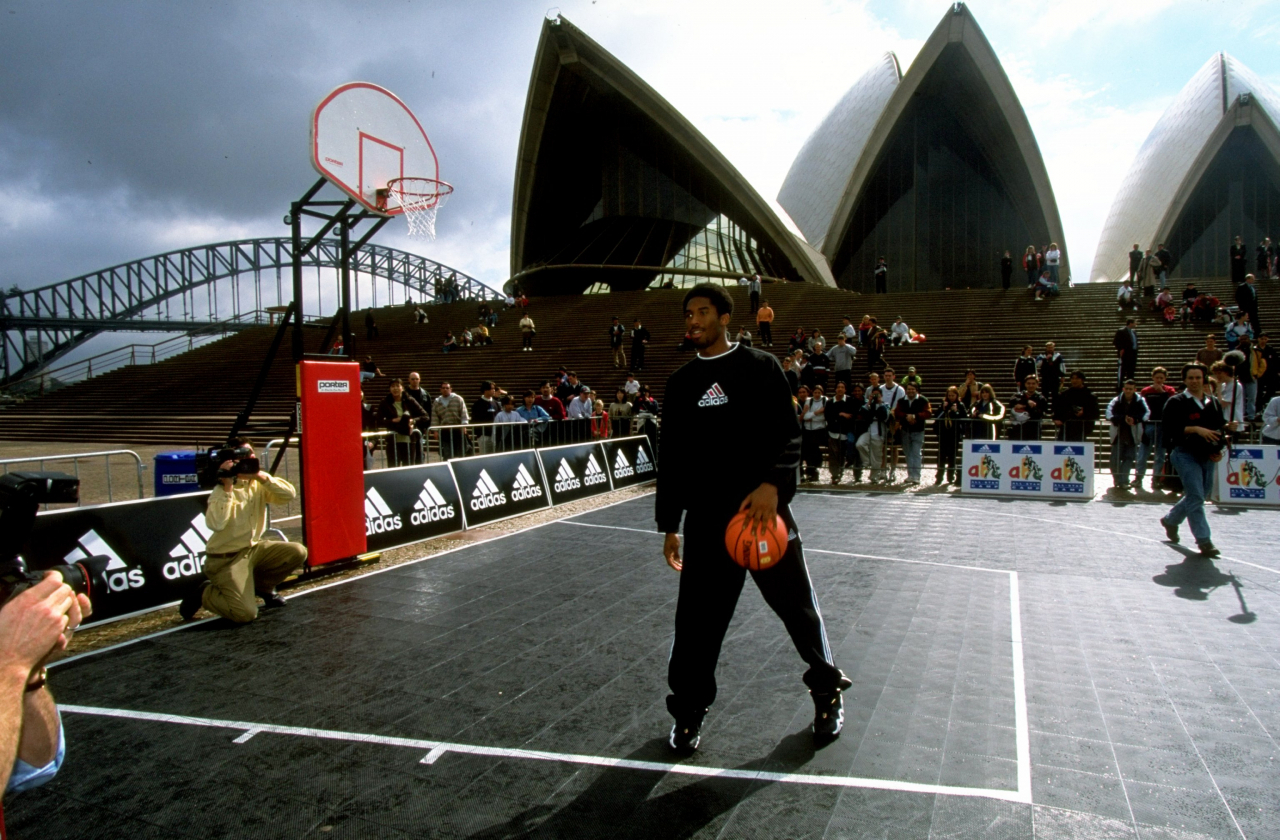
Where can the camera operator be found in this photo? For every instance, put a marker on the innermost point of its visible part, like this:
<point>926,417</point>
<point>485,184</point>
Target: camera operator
<point>240,566</point>
<point>34,625</point>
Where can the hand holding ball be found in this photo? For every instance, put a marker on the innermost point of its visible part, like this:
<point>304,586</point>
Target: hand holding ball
<point>755,547</point>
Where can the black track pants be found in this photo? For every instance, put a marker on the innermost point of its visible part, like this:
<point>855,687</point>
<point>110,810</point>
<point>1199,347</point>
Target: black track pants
<point>709,589</point>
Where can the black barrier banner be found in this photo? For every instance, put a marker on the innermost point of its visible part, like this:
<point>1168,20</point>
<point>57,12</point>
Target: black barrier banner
<point>155,548</point>
<point>575,472</point>
<point>495,487</point>
<point>410,504</point>
<point>630,461</point>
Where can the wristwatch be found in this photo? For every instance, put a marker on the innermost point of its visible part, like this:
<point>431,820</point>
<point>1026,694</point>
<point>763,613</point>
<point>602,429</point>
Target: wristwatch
<point>41,679</point>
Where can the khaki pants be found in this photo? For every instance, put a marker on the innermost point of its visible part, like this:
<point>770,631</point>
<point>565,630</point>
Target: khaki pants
<point>233,580</point>
<point>619,357</point>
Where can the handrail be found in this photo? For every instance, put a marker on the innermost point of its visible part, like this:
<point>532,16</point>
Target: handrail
<point>76,456</point>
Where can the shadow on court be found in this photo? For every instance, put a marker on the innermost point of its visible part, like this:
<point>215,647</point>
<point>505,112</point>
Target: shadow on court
<point>621,803</point>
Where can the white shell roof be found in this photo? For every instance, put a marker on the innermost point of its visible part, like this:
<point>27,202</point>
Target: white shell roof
<point>816,181</point>
<point>1167,157</point>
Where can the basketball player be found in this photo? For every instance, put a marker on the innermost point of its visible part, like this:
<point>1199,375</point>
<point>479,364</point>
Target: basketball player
<point>731,442</point>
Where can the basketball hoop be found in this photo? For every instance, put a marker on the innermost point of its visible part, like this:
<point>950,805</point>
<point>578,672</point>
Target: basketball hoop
<point>418,199</point>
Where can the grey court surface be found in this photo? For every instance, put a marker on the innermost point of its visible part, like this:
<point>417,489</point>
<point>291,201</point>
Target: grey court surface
<point>1020,669</point>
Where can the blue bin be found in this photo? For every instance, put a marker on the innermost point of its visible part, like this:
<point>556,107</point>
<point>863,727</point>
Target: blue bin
<point>176,473</point>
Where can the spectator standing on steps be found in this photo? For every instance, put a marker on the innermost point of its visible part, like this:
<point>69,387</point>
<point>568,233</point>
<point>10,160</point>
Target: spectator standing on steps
<point>400,413</point>
<point>1135,263</point>
<point>754,287</point>
<point>1239,263</point>
<point>1166,264</point>
<point>764,324</point>
<point>1193,426</point>
<point>1006,271</point>
<point>1247,300</point>
<point>483,413</point>
<point>449,409</point>
<point>881,276</point>
<point>1209,353</point>
<point>842,356</point>
<point>370,325</point>
<point>950,421</point>
<point>911,412</point>
<point>1075,410</point>
<point>838,414</point>
<point>871,427</point>
<point>1027,411</point>
<point>1052,261</point>
<point>639,341</point>
<point>1023,366</point>
<point>1031,265</point>
<point>814,424</point>
<point>527,331</point>
<point>1126,413</point>
<point>549,402</point>
<point>617,333</point>
<point>1051,367</point>
<point>1155,396</point>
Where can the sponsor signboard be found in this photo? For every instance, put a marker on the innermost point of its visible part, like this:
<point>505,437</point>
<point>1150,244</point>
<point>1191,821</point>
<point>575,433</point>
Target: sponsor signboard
<point>410,504</point>
<point>630,461</point>
<point>155,547</point>
<point>575,472</point>
<point>1251,476</point>
<point>1039,469</point>
<point>494,487</point>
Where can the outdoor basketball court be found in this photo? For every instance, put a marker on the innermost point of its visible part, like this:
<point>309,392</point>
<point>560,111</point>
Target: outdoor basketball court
<point>1018,667</point>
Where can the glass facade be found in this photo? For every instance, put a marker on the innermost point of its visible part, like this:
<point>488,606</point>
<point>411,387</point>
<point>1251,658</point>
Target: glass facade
<point>1238,195</point>
<point>936,208</point>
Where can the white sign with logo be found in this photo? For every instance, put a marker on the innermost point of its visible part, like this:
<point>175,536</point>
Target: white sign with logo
<point>1039,469</point>
<point>1251,476</point>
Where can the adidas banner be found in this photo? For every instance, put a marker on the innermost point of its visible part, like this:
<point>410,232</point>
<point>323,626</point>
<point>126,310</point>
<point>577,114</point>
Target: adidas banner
<point>575,472</point>
<point>629,461</point>
<point>494,487</point>
<point>410,504</point>
<point>1040,469</point>
<point>156,548</point>
<point>1250,476</point>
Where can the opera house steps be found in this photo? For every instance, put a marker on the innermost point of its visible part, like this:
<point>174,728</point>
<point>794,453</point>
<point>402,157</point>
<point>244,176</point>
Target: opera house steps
<point>194,397</point>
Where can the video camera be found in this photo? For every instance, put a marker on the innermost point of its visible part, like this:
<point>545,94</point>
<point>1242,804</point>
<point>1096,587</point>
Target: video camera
<point>209,465</point>
<point>21,494</point>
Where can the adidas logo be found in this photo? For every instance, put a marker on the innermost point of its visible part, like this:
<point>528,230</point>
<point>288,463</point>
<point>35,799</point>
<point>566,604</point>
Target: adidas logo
<point>486,493</point>
<point>621,466</point>
<point>643,464</point>
<point>595,473</point>
<point>188,552</point>
<point>525,487</point>
<point>431,506</point>
<point>565,479</point>
<point>378,517</point>
<point>120,577</point>
<point>715,395</point>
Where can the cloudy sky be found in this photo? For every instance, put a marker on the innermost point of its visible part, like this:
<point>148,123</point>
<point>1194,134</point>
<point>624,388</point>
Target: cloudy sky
<point>132,128</point>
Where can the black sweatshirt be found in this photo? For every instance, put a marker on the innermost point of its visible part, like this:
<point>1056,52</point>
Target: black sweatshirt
<point>729,425</point>
<point>1181,411</point>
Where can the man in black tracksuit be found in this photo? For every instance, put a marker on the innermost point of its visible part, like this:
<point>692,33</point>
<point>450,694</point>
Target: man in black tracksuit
<point>713,465</point>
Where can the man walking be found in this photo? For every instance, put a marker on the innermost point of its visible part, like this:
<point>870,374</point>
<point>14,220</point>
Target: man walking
<point>1193,425</point>
<point>1125,342</point>
<point>708,462</point>
<point>881,276</point>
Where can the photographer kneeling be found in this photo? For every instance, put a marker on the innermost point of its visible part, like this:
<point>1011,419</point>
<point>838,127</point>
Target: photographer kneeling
<point>34,625</point>
<point>240,566</point>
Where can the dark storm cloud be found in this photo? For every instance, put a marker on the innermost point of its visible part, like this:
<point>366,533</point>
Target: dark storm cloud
<point>129,116</point>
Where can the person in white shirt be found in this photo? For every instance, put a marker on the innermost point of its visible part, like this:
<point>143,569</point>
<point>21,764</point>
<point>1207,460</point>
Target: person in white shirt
<point>631,387</point>
<point>509,436</point>
<point>892,392</point>
<point>813,419</point>
<point>580,407</point>
<point>1052,259</point>
<point>1230,391</point>
<point>1271,422</point>
<point>1124,297</point>
<point>899,333</point>
<point>849,330</point>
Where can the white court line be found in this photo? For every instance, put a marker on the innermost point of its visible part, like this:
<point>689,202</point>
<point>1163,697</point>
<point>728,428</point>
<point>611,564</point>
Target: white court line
<point>610,527</point>
<point>439,748</point>
<point>351,579</point>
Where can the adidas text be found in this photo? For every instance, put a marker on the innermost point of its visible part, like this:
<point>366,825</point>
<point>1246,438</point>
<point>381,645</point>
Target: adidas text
<point>432,514</point>
<point>596,478</point>
<point>522,493</point>
<point>564,484</point>
<point>382,524</point>
<point>709,401</point>
<point>124,581</point>
<point>175,569</point>
<point>488,500</point>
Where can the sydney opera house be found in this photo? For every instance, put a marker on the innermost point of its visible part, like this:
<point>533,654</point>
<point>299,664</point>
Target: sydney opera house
<point>1209,171</point>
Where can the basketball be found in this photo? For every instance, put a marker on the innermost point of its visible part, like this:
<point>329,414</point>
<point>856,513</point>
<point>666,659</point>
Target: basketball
<point>753,547</point>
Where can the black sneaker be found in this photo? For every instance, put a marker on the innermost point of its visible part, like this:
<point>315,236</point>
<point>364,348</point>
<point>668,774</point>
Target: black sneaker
<point>685,736</point>
<point>270,600</point>
<point>1170,530</point>
<point>1208,552</point>
<point>828,712</point>
<point>192,601</point>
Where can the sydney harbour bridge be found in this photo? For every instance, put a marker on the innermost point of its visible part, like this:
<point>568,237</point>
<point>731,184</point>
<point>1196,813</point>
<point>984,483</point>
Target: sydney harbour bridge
<point>208,289</point>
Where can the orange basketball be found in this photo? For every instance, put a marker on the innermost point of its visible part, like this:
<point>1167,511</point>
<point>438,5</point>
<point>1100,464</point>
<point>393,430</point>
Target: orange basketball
<point>753,547</point>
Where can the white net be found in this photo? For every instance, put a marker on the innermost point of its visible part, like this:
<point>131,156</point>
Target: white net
<point>419,199</point>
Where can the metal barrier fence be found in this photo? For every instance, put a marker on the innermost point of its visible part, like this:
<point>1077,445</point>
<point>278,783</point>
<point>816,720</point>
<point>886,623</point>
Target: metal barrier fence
<point>76,458</point>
